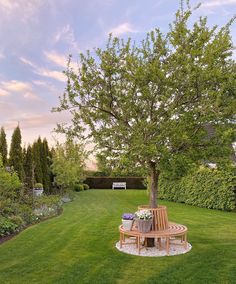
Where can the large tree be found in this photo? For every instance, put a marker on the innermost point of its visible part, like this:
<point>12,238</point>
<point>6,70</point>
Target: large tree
<point>152,104</point>
<point>3,146</point>
<point>15,154</point>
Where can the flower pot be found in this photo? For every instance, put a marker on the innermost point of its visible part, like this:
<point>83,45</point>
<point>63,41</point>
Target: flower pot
<point>38,192</point>
<point>144,226</point>
<point>127,224</point>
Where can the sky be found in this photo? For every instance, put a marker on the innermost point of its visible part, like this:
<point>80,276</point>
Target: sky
<point>38,35</point>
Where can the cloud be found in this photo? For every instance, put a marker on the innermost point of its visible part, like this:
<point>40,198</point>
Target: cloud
<point>56,75</point>
<point>23,10</point>
<point>14,86</point>
<point>27,62</point>
<point>40,83</point>
<point>67,35</point>
<point>8,5</point>
<point>3,93</point>
<point>45,72</point>
<point>42,120</point>
<point>59,59</point>
<point>217,3</point>
<point>45,84</point>
<point>122,29</point>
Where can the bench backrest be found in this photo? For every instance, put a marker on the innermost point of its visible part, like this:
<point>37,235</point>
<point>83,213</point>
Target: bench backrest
<point>160,217</point>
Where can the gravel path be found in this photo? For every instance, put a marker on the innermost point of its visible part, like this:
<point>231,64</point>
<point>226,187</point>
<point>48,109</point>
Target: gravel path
<point>175,248</point>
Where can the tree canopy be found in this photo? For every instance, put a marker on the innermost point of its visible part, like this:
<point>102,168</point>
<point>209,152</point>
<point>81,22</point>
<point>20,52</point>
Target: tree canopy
<point>68,163</point>
<point>152,103</point>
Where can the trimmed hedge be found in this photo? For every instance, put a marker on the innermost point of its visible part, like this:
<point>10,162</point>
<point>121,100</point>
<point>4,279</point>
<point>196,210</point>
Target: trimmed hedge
<point>106,182</point>
<point>209,188</point>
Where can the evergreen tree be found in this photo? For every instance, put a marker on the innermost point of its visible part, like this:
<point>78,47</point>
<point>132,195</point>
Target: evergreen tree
<point>45,164</point>
<point>3,146</point>
<point>52,153</point>
<point>15,155</point>
<point>23,159</point>
<point>28,167</point>
<point>38,175</point>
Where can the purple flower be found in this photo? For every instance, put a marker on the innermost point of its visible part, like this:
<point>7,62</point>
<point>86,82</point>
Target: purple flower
<point>128,216</point>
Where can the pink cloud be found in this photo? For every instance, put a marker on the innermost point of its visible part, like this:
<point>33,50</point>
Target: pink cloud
<point>122,29</point>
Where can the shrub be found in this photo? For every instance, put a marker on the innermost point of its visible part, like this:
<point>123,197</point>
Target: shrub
<point>26,213</point>
<point>17,202</point>
<point>7,207</point>
<point>209,188</point>
<point>78,187</point>
<point>38,186</point>
<point>7,227</point>
<point>47,206</point>
<point>10,185</point>
<point>86,187</point>
<point>49,200</point>
<point>17,220</point>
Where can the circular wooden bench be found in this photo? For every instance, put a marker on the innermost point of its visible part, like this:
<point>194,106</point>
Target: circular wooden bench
<point>161,229</point>
<point>173,230</point>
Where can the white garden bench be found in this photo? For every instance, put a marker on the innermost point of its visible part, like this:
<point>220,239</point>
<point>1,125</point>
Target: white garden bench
<point>119,185</point>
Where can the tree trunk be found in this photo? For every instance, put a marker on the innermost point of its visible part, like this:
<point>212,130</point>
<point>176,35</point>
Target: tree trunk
<point>154,176</point>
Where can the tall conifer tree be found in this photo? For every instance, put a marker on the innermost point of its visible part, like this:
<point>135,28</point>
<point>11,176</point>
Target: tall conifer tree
<point>37,160</point>
<point>29,167</point>
<point>15,155</point>
<point>3,146</point>
<point>45,164</point>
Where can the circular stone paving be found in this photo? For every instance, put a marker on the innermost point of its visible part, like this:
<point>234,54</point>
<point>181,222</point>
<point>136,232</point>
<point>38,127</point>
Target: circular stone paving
<point>175,248</point>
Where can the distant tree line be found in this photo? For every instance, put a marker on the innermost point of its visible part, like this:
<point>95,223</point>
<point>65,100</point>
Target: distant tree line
<point>32,163</point>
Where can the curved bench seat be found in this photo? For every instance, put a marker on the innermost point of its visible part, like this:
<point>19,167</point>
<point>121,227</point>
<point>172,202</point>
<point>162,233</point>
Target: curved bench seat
<point>173,230</point>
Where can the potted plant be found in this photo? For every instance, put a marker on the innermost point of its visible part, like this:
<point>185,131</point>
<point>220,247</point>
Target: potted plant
<point>127,221</point>
<point>38,189</point>
<point>143,219</point>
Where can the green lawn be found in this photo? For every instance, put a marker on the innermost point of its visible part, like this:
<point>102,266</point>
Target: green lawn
<point>78,246</point>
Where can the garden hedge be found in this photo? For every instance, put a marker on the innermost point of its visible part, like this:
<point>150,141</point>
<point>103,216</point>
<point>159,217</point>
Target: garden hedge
<point>209,188</point>
<point>106,182</point>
